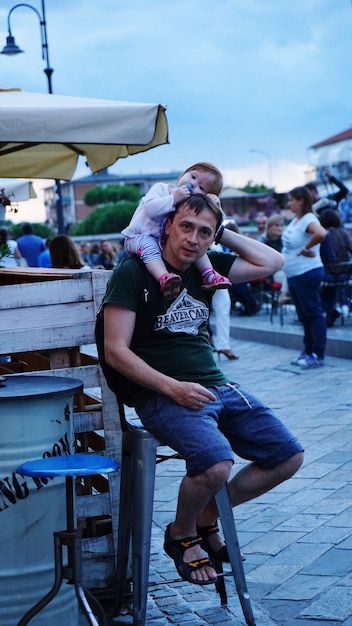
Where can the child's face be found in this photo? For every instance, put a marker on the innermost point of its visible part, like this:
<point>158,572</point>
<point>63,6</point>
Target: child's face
<point>202,182</point>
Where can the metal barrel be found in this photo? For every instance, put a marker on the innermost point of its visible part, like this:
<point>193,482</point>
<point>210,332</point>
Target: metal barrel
<point>35,421</point>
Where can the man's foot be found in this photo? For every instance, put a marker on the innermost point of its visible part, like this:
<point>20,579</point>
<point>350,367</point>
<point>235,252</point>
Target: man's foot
<point>189,559</point>
<point>213,280</point>
<point>213,544</point>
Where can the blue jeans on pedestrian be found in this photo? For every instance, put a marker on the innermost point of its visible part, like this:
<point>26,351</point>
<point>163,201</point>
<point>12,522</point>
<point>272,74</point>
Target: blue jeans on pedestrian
<point>305,293</point>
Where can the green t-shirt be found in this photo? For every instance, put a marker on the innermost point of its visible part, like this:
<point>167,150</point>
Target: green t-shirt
<point>178,343</point>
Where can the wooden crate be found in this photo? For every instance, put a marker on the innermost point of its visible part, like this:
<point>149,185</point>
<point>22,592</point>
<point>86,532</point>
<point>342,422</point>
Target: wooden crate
<point>46,317</point>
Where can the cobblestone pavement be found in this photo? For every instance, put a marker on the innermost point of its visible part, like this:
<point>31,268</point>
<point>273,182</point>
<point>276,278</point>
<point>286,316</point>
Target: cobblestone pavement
<point>298,537</point>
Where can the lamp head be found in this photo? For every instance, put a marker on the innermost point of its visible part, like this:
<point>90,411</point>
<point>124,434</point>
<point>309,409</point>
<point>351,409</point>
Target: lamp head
<point>11,48</point>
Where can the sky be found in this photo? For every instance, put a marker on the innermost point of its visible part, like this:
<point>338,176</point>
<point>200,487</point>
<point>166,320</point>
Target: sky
<point>249,85</point>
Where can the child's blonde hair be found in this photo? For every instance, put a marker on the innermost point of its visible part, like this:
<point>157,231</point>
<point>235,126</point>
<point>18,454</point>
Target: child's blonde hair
<point>203,166</point>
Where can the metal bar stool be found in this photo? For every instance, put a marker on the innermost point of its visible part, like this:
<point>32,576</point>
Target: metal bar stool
<point>69,466</point>
<point>138,464</point>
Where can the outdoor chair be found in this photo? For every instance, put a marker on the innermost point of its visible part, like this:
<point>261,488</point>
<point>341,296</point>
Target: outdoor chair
<point>267,292</point>
<point>342,294</point>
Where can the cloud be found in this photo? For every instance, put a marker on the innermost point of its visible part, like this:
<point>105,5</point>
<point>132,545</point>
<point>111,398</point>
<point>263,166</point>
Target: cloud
<point>235,75</point>
<point>285,175</point>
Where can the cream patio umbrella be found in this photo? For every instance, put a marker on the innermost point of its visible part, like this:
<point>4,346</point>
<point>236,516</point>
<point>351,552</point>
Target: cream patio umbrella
<point>42,135</point>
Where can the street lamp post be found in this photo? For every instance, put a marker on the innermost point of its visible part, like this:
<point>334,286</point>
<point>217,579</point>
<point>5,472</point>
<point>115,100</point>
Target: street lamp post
<point>12,49</point>
<point>267,155</point>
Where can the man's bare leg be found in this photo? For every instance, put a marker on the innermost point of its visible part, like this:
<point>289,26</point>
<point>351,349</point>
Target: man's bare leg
<point>194,495</point>
<point>250,482</point>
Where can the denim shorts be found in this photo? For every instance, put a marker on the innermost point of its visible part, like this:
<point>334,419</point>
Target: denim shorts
<point>236,422</point>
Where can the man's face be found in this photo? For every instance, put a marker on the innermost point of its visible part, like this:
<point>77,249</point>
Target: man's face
<point>188,236</point>
<point>314,195</point>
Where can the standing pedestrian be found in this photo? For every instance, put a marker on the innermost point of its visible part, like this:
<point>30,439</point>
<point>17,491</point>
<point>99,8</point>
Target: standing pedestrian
<point>30,245</point>
<point>304,269</point>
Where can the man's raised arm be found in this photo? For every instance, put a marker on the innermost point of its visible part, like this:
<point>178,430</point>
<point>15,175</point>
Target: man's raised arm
<point>255,259</point>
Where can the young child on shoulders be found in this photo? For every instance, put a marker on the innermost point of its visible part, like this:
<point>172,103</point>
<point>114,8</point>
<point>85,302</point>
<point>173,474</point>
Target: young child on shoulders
<point>144,232</point>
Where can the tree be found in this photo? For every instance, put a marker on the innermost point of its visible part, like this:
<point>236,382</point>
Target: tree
<point>113,194</point>
<point>42,230</point>
<point>117,204</point>
<point>250,187</point>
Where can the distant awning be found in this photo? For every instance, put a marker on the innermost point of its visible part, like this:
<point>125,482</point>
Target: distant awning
<point>229,193</point>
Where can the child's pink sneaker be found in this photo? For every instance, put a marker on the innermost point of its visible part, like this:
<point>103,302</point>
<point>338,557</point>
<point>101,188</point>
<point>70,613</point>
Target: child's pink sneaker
<point>213,280</point>
<point>170,285</point>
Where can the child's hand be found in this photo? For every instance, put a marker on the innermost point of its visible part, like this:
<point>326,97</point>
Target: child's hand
<point>181,193</point>
<point>214,199</point>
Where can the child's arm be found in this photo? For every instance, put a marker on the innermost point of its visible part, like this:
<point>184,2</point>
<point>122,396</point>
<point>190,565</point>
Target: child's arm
<point>158,201</point>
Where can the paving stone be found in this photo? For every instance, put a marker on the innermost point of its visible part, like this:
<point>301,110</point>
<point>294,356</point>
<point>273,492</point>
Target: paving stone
<point>334,604</point>
<point>326,534</point>
<point>274,542</point>
<point>335,562</point>
<point>301,587</point>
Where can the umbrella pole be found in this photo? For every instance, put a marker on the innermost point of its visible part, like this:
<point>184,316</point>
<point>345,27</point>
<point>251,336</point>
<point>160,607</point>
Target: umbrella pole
<point>59,209</point>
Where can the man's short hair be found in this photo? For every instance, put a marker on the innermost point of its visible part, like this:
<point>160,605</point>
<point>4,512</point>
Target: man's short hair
<point>197,202</point>
<point>312,187</point>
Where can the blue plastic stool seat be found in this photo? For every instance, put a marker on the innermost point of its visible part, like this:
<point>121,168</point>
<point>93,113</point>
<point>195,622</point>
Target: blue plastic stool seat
<point>69,466</point>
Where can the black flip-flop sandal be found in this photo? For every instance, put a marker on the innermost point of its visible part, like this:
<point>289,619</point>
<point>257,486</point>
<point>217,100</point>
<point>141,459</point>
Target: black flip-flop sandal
<point>175,548</point>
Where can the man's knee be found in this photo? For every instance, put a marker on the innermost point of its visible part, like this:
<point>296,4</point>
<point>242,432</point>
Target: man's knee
<point>217,474</point>
<point>291,466</point>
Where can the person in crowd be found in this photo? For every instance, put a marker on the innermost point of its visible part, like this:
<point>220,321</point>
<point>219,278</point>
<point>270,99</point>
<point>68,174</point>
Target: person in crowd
<point>260,222</point>
<point>272,235</point>
<point>336,254</point>
<point>122,253</point>
<point>273,238</point>
<point>14,258</point>
<point>331,200</point>
<point>44,257</point>
<point>243,299</point>
<point>30,245</point>
<point>220,319</point>
<point>304,269</point>
<point>107,257</point>
<point>220,314</point>
<point>64,254</point>
<point>144,233</point>
<point>180,394</point>
<point>86,253</point>
<point>94,254</point>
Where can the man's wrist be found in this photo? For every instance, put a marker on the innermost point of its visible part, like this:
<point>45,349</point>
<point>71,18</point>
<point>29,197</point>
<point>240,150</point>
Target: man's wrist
<point>219,233</point>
